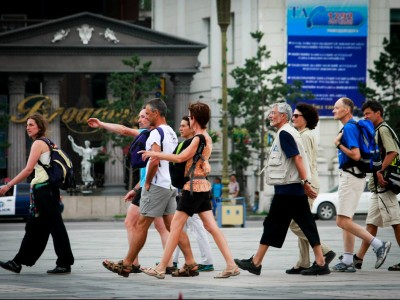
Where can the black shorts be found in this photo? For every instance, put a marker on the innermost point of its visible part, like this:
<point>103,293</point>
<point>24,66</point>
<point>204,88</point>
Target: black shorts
<point>136,199</point>
<point>197,203</point>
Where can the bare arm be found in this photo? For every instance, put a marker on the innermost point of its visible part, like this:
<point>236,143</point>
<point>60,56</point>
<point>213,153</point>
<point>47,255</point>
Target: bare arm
<point>386,162</point>
<point>152,166</point>
<point>38,147</point>
<point>112,127</point>
<point>186,154</point>
<point>353,153</point>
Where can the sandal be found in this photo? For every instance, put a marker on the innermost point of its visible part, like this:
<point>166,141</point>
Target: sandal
<point>153,272</point>
<point>136,269</point>
<point>118,267</point>
<point>188,271</point>
<point>228,273</point>
<point>394,267</point>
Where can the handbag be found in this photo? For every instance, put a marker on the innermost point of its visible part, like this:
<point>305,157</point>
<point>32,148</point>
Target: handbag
<point>392,172</point>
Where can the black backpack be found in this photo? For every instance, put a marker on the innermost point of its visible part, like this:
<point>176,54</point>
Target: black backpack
<point>138,144</point>
<point>177,170</point>
<point>60,169</point>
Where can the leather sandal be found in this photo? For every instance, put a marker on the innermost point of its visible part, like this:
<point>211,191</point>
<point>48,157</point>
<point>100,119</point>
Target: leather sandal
<point>118,267</point>
<point>188,271</point>
<point>153,272</point>
<point>228,273</point>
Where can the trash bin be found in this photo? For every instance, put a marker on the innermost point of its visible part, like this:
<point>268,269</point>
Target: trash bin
<point>231,214</point>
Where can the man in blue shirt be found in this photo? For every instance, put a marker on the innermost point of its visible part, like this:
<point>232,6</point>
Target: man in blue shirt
<point>351,185</point>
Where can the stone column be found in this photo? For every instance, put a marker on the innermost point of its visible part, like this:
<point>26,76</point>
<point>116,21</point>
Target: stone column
<point>114,167</point>
<point>17,156</point>
<point>181,96</point>
<point>52,90</point>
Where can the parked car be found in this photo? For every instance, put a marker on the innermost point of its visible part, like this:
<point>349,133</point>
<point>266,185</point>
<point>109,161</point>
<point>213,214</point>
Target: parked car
<point>15,203</point>
<point>324,207</point>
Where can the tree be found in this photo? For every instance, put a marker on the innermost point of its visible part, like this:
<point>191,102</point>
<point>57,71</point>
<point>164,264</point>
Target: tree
<point>256,88</point>
<point>386,77</point>
<point>130,90</point>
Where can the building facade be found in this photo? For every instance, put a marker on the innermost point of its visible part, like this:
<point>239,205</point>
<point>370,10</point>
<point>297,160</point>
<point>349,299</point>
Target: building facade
<point>184,44</point>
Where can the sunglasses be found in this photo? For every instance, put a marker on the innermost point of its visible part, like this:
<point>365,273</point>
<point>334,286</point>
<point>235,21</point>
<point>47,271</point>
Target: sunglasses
<point>296,115</point>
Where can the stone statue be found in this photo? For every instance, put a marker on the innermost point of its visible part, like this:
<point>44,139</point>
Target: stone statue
<point>109,35</point>
<point>87,154</point>
<point>60,35</point>
<point>85,33</point>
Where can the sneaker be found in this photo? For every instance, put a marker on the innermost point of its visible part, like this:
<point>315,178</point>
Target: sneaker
<point>381,254</point>
<point>247,264</point>
<point>329,256</point>
<point>205,268</point>
<point>342,267</point>
<point>295,270</point>
<point>11,266</point>
<point>356,261</point>
<point>316,269</point>
<point>59,271</point>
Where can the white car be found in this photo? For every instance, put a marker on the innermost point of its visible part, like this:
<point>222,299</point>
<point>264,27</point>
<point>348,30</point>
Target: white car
<point>324,207</point>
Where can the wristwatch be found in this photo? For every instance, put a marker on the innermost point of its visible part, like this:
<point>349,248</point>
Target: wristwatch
<point>304,181</point>
<point>135,190</point>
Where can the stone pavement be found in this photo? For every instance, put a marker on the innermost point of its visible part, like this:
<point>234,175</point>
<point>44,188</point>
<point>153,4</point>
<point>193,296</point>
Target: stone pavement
<point>94,241</point>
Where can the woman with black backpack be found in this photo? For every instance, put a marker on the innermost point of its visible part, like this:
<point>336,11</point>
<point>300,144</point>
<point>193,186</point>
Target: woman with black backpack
<point>45,218</point>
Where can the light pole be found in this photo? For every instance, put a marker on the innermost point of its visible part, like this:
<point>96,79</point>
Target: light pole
<point>224,19</point>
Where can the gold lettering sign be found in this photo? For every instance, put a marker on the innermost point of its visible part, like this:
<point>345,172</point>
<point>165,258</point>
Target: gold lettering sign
<point>69,116</point>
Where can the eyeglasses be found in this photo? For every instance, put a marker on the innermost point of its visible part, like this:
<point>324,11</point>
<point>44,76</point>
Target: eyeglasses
<point>274,113</point>
<point>296,115</point>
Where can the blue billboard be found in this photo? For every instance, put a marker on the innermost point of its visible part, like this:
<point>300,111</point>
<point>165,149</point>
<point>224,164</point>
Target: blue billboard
<point>327,49</point>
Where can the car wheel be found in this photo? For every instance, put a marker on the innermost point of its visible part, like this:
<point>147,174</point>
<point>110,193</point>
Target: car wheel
<point>326,211</point>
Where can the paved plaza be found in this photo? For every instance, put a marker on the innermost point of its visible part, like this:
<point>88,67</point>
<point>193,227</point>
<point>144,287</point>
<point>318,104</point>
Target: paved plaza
<point>94,241</point>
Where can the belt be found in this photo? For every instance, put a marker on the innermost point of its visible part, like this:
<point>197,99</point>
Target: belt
<point>39,185</point>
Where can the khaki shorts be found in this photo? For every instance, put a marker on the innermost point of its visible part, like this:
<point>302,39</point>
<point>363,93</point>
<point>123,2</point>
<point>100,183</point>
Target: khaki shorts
<point>384,210</point>
<point>350,190</point>
<point>157,201</point>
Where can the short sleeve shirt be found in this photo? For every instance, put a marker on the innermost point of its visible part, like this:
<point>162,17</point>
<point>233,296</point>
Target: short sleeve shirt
<point>350,138</point>
<point>162,178</point>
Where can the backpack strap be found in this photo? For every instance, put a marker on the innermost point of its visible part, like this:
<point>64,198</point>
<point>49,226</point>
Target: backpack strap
<point>51,147</point>
<point>161,132</point>
<point>380,144</point>
<point>196,158</point>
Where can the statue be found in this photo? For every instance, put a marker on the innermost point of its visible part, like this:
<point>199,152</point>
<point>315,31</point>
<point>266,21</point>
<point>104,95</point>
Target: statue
<point>109,35</point>
<point>85,33</point>
<point>60,35</point>
<point>87,154</point>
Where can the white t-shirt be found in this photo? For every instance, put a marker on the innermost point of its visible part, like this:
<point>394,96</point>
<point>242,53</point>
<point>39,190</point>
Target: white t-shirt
<point>162,177</point>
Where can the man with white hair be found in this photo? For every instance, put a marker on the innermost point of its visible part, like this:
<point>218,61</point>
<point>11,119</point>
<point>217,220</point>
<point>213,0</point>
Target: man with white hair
<point>288,171</point>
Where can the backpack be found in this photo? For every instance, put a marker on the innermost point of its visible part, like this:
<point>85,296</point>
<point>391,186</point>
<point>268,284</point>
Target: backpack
<point>370,156</point>
<point>392,172</point>
<point>177,170</point>
<point>138,144</point>
<point>60,169</point>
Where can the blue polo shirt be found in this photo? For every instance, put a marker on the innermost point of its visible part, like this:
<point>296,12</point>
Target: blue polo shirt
<point>350,139</point>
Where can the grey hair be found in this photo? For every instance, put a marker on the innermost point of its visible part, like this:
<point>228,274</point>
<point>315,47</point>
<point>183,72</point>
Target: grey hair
<point>284,108</point>
<point>157,104</point>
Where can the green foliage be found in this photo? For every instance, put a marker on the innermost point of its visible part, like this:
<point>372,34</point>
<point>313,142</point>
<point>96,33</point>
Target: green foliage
<point>130,91</point>
<point>386,76</point>
<point>256,88</point>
